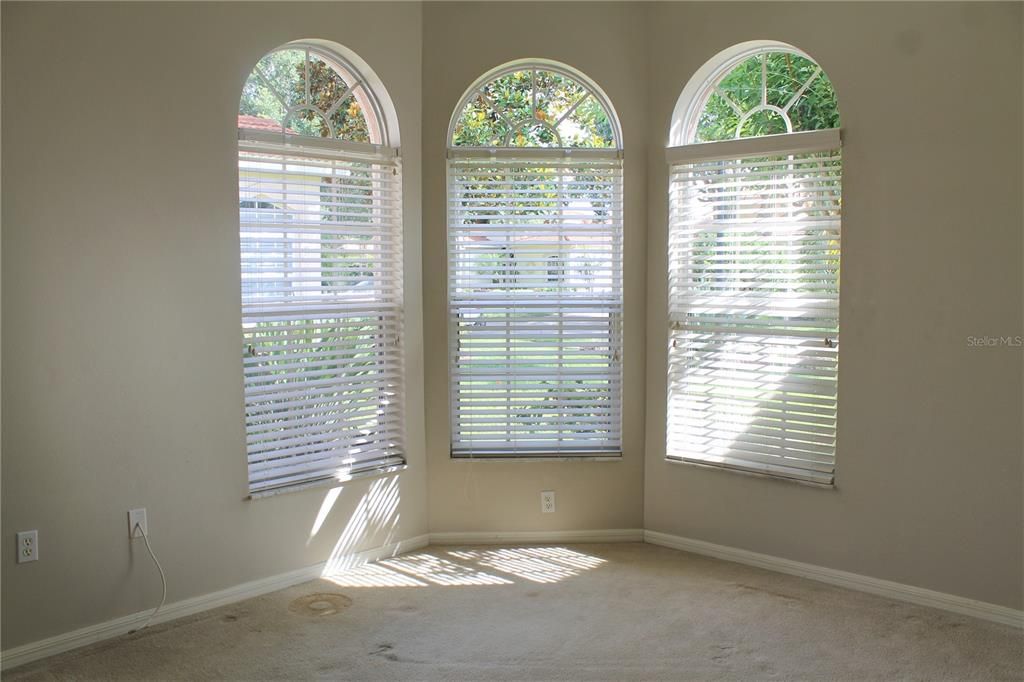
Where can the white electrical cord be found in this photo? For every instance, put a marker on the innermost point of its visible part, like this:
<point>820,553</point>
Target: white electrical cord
<point>163,579</point>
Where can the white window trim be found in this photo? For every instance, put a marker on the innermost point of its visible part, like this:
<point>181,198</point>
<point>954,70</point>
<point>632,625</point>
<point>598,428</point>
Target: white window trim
<point>682,151</point>
<point>692,98</point>
<point>456,153</point>
<point>262,140</point>
<point>767,145</point>
<point>381,155</point>
<point>753,474</point>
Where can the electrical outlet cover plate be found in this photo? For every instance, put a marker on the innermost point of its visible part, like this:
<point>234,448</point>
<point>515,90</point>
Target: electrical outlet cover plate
<point>137,516</point>
<point>547,501</point>
<point>28,546</point>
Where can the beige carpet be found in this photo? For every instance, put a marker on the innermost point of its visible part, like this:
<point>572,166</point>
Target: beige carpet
<point>613,612</point>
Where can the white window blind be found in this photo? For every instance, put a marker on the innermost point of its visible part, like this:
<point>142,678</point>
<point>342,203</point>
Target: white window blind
<point>535,303</point>
<point>321,309</point>
<point>754,304</point>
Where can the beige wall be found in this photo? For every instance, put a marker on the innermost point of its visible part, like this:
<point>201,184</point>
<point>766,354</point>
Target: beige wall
<point>929,446</point>
<point>122,383</point>
<point>461,41</point>
<point>120,254</point>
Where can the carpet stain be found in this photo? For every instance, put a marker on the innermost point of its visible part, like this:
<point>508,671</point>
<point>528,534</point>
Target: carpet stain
<point>320,604</point>
<point>384,651</point>
<point>722,652</point>
<point>229,619</point>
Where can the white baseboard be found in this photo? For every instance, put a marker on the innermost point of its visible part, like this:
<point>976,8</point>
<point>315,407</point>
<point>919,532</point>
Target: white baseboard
<point>853,581</point>
<point>57,644</point>
<point>51,646</point>
<point>488,538</point>
<point>376,553</point>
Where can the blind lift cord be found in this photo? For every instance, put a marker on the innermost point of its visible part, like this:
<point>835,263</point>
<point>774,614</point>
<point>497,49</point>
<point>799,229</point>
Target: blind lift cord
<point>163,580</point>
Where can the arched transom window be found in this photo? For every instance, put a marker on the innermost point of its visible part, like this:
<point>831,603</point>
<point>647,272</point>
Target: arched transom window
<point>306,90</point>
<point>319,199</point>
<point>535,266</point>
<point>754,249</point>
<point>767,93</point>
<point>535,105</point>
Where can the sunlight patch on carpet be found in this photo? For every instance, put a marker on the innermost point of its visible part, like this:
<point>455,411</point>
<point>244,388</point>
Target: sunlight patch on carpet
<point>469,567</point>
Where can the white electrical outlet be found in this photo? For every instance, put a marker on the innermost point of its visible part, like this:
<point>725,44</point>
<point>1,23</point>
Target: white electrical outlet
<point>547,501</point>
<point>137,517</point>
<point>28,546</point>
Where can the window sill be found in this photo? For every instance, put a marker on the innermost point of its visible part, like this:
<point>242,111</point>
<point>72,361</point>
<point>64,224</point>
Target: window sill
<point>329,482</point>
<point>757,474</point>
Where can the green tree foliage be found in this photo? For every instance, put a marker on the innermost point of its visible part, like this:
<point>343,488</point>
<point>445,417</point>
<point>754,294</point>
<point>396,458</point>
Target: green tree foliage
<point>533,108</point>
<point>279,83</point>
<point>777,77</point>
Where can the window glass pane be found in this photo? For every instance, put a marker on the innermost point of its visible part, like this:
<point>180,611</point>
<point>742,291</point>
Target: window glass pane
<point>349,120</point>
<point>767,94</point>
<point>276,91</point>
<point>787,73</point>
<point>512,95</point>
<point>764,122</point>
<point>534,108</point>
<point>480,125</point>
<point>817,108</point>
<point>556,94</point>
<point>285,73</point>
<point>261,108</point>
<point>534,135</point>
<point>326,86</point>
<point>718,120</point>
<point>587,126</point>
<point>742,85</point>
<point>309,122</point>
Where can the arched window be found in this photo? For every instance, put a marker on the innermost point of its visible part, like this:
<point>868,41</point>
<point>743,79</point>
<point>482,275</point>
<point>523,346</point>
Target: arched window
<point>535,105</point>
<point>762,90</point>
<point>535,266</point>
<point>319,196</point>
<point>754,249</point>
<point>310,89</point>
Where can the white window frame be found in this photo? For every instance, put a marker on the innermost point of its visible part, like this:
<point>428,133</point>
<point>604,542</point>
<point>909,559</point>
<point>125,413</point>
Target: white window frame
<point>698,425</point>
<point>309,418</point>
<point>461,156</point>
